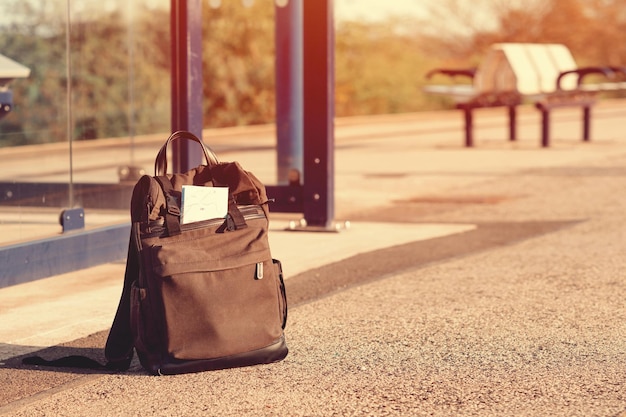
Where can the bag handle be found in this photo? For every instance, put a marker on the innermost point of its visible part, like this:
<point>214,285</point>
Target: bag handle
<point>160,163</point>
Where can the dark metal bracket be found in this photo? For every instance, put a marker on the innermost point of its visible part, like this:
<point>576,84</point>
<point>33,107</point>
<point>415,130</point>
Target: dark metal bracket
<point>6,102</point>
<point>72,219</point>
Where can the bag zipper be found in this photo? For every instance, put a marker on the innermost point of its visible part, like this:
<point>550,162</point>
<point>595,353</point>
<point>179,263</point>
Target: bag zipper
<point>259,270</point>
<point>250,212</point>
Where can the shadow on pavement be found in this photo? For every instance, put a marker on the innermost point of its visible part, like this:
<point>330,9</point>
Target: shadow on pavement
<point>20,384</point>
<point>372,266</point>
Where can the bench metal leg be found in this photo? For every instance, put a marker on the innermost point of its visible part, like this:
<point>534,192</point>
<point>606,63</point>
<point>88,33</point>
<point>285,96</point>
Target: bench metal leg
<point>586,123</point>
<point>512,123</point>
<point>545,127</point>
<point>469,139</point>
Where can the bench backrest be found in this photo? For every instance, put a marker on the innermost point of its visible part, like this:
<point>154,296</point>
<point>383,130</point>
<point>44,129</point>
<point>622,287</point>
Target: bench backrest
<point>525,68</point>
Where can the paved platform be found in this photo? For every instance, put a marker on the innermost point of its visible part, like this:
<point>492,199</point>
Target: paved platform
<point>484,281</point>
<point>66,307</point>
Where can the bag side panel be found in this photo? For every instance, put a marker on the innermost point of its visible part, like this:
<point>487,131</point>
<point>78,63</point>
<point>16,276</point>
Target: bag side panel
<point>146,315</point>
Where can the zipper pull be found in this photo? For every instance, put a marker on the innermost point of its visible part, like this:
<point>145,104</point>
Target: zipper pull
<point>259,270</point>
<point>230,223</point>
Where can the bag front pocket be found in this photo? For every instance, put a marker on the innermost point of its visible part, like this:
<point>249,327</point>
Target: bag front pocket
<point>212,314</point>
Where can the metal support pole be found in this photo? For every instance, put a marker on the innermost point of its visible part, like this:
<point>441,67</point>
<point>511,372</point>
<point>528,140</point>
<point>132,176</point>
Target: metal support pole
<point>512,123</point>
<point>186,46</point>
<point>318,116</point>
<point>72,218</point>
<point>289,90</point>
<point>469,138</point>
<point>586,123</point>
<point>545,127</point>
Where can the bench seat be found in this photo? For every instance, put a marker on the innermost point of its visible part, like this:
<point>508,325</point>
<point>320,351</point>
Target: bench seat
<point>513,73</point>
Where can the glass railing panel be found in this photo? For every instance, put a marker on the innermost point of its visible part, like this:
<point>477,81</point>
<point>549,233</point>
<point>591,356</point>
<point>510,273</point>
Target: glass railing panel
<point>79,144</point>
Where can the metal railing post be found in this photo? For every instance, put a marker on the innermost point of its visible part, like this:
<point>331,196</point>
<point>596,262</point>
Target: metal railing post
<point>318,118</point>
<point>289,86</point>
<point>186,77</point>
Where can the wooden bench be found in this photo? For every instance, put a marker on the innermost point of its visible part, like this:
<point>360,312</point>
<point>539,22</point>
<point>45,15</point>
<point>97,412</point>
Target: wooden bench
<point>513,73</point>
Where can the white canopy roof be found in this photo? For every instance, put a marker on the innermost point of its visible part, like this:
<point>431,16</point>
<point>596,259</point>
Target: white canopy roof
<point>10,69</point>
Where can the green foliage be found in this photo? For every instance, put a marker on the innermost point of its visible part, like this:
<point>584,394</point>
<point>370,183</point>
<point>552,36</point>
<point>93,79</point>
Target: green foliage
<point>102,63</point>
<point>594,30</point>
<point>120,63</point>
<point>378,69</point>
<point>238,64</point>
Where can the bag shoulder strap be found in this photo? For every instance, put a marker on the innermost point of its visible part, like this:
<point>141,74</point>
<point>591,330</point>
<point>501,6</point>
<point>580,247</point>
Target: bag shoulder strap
<point>119,348</point>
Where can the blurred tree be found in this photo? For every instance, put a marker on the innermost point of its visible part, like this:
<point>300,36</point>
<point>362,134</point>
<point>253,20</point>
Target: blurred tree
<point>607,32</point>
<point>592,29</point>
<point>101,64</point>
<point>132,61</point>
<point>238,64</point>
<point>376,69</point>
<point>121,62</point>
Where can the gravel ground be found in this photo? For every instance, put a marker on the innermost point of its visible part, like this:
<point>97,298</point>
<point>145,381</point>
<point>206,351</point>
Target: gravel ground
<point>532,327</point>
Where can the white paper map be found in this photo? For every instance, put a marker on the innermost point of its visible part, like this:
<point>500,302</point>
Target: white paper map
<point>203,203</point>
